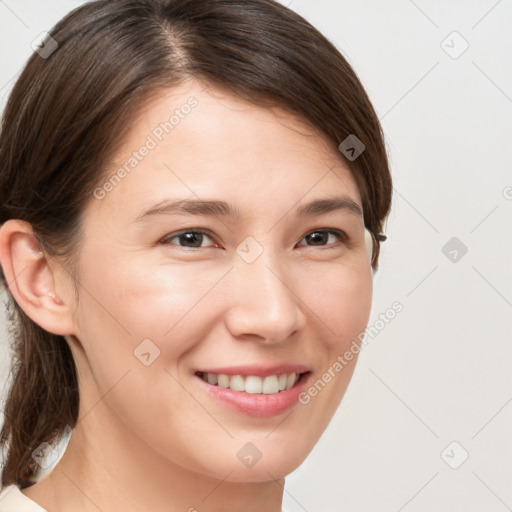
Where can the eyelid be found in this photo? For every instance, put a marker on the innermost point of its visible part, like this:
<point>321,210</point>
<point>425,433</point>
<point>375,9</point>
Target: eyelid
<point>164,240</point>
<point>342,235</point>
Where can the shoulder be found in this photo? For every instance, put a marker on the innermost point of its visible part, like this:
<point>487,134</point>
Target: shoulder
<point>13,500</point>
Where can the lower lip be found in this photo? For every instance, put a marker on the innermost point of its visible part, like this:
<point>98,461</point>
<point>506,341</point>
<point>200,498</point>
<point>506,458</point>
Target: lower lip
<point>258,404</point>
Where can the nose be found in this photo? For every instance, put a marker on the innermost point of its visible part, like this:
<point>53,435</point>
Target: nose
<point>264,305</point>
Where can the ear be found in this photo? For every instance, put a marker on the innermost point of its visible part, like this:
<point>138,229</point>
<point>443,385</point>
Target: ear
<point>370,247</point>
<point>32,279</point>
<point>368,238</point>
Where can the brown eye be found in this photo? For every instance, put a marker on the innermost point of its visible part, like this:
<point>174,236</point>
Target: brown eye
<point>323,237</point>
<point>192,239</point>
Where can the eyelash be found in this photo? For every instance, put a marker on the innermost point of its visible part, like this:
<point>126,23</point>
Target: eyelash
<point>342,236</point>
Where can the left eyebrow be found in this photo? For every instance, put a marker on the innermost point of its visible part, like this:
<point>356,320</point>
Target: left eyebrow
<point>327,205</point>
<point>223,209</point>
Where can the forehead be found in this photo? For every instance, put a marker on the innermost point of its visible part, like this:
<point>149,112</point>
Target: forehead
<point>198,140</point>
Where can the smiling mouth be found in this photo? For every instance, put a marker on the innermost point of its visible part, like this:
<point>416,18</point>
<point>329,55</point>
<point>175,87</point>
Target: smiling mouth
<point>253,384</point>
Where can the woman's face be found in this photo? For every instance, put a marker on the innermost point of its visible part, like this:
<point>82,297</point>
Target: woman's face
<point>212,256</point>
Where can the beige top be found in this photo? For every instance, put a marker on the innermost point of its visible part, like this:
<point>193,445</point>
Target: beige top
<point>13,500</point>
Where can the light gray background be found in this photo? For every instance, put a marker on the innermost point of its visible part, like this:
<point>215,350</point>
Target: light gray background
<point>440,371</point>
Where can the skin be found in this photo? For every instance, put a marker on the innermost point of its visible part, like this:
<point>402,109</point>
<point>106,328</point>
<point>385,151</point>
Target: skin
<point>149,437</point>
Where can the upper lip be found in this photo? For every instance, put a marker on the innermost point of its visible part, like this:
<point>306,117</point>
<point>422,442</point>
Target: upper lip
<point>258,370</point>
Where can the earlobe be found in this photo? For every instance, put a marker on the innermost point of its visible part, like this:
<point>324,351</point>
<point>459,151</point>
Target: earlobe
<point>30,278</point>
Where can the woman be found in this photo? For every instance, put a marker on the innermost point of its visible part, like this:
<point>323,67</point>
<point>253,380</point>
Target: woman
<point>190,191</point>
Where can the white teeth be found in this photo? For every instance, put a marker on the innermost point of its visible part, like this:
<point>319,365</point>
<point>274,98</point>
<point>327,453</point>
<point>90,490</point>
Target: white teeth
<point>236,383</point>
<point>290,381</point>
<point>271,385</point>
<point>223,381</point>
<point>253,384</point>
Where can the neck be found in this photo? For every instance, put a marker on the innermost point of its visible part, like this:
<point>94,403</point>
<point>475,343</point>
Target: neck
<point>121,472</point>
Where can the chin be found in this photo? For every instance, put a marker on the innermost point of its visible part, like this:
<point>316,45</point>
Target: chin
<point>263,471</point>
<point>260,460</point>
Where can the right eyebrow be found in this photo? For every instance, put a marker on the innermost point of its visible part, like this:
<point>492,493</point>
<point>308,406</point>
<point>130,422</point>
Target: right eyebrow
<point>191,206</point>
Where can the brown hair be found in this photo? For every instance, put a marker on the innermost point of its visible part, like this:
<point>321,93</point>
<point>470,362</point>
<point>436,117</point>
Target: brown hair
<point>67,112</point>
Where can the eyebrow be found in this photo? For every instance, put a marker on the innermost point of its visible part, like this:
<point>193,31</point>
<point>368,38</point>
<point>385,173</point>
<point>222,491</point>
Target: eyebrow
<point>223,209</point>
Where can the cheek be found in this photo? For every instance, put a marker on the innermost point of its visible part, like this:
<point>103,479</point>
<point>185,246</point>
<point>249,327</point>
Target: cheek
<point>341,297</point>
<point>343,304</point>
<point>131,301</point>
